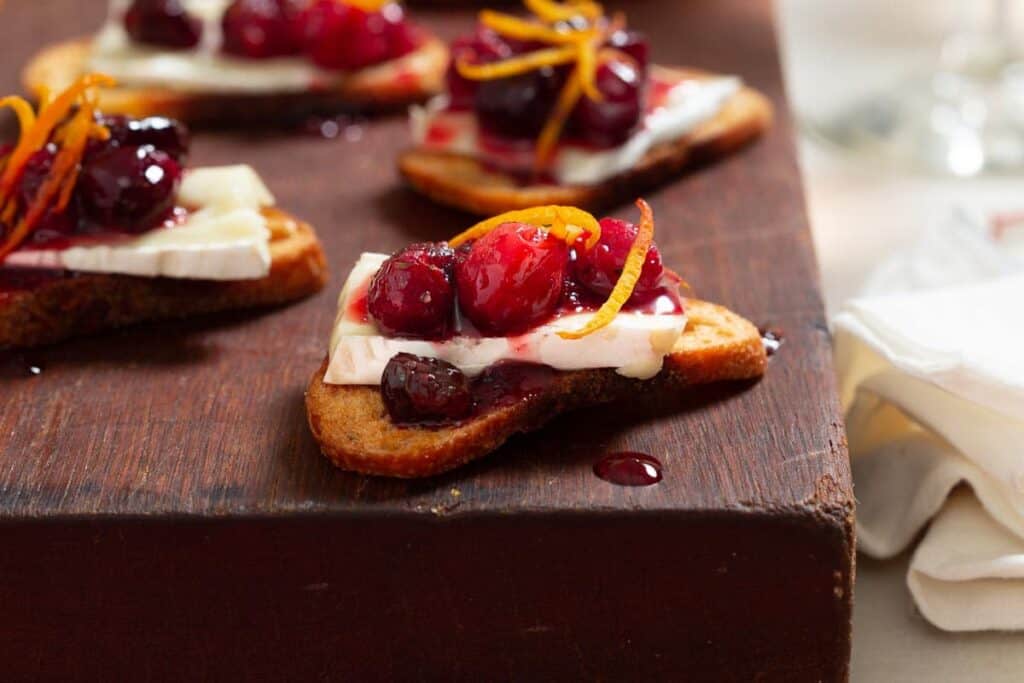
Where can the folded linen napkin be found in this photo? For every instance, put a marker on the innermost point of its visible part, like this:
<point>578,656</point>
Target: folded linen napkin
<point>931,365</point>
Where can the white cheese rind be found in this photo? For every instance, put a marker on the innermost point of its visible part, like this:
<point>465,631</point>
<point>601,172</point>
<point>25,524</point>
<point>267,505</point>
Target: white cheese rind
<point>634,344</point>
<point>687,105</point>
<point>226,239</point>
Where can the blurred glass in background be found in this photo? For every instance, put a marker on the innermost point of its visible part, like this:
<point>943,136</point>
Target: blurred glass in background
<point>934,85</point>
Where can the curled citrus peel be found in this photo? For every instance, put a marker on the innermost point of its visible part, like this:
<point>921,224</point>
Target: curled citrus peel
<point>566,223</point>
<point>68,120</point>
<point>568,44</point>
<point>366,5</point>
<point>631,270</point>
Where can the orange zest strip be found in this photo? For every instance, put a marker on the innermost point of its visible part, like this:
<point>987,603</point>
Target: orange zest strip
<point>70,134</point>
<point>627,280</point>
<point>517,65</point>
<point>521,29</point>
<point>366,5</point>
<point>552,130</point>
<point>551,11</point>
<point>567,223</point>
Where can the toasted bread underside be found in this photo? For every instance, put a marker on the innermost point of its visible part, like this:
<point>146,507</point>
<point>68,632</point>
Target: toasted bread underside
<point>465,183</point>
<point>84,303</point>
<point>384,86</point>
<point>355,432</point>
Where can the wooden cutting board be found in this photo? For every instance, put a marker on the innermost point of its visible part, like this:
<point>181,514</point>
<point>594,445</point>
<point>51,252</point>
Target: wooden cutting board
<point>166,514</point>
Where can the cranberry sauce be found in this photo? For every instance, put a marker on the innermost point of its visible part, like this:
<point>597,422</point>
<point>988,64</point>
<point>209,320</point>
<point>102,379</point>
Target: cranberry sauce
<point>16,365</point>
<point>126,184</point>
<point>431,392</point>
<point>628,469</point>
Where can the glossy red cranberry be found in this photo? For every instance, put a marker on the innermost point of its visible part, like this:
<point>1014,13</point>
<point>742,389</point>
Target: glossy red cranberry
<point>164,23</point>
<point>339,36</point>
<point>259,29</point>
<point>512,278</point>
<point>518,107</point>
<point>634,44</point>
<point>129,188</point>
<point>611,121</point>
<point>51,225</point>
<point>599,268</point>
<point>412,294</point>
<point>417,389</point>
<point>166,135</point>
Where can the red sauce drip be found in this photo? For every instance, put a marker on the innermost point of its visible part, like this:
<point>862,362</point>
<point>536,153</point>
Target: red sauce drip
<point>357,306</point>
<point>440,134</point>
<point>627,468</point>
<point>657,92</point>
<point>509,382</point>
<point>18,366</point>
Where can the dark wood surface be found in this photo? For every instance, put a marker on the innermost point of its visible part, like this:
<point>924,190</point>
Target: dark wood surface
<point>206,417</point>
<point>202,422</point>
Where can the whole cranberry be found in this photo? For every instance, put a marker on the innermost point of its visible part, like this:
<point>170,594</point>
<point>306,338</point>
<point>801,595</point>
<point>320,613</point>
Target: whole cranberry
<point>482,47</point>
<point>52,224</point>
<point>612,120</point>
<point>418,389</point>
<point>518,106</point>
<point>512,278</point>
<point>162,22</point>
<point>599,268</point>
<point>259,29</point>
<point>412,294</point>
<point>166,135</point>
<point>632,43</point>
<point>129,188</point>
<point>339,36</point>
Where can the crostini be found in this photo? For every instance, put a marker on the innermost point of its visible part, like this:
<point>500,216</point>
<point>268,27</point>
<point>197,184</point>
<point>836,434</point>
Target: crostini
<point>442,351</point>
<point>225,62</point>
<point>566,108</point>
<point>102,224</point>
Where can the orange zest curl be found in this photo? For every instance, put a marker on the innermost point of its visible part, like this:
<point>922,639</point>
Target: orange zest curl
<point>366,5</point>
<point>581,46</point>
<point>68,119</point>
<point>627,280</point>
<point>567,223</point>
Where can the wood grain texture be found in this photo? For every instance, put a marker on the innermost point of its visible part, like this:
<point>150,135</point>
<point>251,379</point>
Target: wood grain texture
<point>203,421</point>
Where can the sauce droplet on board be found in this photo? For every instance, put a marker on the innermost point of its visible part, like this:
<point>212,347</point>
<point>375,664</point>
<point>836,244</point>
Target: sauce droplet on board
<point>772,339</point>
<point>629,469</point>
<point>16,365</point>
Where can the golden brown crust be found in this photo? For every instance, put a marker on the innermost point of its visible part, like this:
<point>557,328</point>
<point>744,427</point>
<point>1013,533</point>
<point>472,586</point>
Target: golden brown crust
<point>85,303</point>
<point>385,86</point>
<point>464,183</point>
<point>355,432</point>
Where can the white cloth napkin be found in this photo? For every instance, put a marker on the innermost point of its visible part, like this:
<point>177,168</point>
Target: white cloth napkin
<point>931,366</point>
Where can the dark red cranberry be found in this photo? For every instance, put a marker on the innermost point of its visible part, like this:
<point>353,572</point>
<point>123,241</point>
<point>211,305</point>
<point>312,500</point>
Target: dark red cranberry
<point>129,188</point>
<point>611,121</point>
<point>512,278</point>
<point>166,135</point>
<point>599,268</point>
<point>412,294</point>
<point>162,22</point>
<point>417,389</point>
<point>518,107</point>
<point>632,43</point>
<point>340,36</point>
<point>51,225</point>
<point>480,48</point>
<point>259,29</point>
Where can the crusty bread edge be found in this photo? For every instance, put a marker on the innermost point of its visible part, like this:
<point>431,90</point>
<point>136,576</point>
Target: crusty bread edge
<point>381,87</point>
<point>87,303</point>
<point>354,432</point>
<point>746,116</point>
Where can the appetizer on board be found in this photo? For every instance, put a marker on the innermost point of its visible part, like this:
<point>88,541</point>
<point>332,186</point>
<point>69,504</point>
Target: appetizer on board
<point>442,351</point>
<point>566,108</point>
<point>225,62</point>
<point>103,224</point>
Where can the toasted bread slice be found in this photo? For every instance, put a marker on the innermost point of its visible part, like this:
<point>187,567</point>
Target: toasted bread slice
<point>465,183</point>
<point>384,86</point>
<point>83,303</point>
<point>356,433</point>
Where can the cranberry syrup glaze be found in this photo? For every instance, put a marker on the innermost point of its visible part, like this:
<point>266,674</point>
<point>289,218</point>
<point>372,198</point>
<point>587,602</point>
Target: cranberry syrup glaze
<point>513,110</point>
<point>504,284</point>
<point>329,33</point>
<point>125,185</point>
